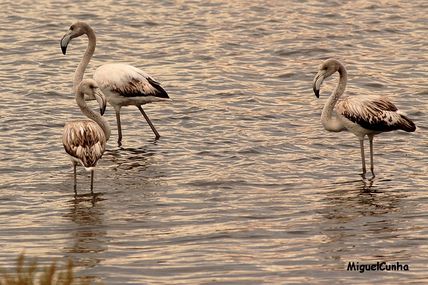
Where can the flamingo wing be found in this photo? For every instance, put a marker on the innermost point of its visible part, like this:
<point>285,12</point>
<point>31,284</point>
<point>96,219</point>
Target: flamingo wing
<point>374,113</point>
<point>128,81</point>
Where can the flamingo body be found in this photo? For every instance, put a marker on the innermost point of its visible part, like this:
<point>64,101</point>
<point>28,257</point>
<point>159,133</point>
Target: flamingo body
<point>126,85</point>
<point>366,115</point>
<point>84,141</point>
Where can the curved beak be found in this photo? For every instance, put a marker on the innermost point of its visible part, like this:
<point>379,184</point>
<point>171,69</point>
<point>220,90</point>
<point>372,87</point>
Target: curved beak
<point>65,41</point>
<point>318,80</point>
<point>101,99</point>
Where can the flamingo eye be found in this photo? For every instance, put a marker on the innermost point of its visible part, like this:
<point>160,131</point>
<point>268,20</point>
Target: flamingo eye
<point>71,28</point>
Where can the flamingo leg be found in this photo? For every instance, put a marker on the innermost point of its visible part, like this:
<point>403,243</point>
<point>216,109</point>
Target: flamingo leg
<point>362,156</point>
<point>119,127</point>
<point>371,154</point>
<point>149,122</point>
<point>75,178</point>
<point>92,181</point>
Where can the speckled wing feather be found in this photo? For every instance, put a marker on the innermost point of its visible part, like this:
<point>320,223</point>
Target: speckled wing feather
<point>128,81</point>
<point>374,113</point>
<point>85,141</point>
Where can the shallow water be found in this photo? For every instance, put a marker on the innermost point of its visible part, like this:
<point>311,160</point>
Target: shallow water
<point>244,186</point>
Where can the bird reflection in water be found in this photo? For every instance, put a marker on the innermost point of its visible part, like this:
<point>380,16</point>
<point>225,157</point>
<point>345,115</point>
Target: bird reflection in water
<point>129,158</point>
<point>89,233</point>
<point>354,213</point>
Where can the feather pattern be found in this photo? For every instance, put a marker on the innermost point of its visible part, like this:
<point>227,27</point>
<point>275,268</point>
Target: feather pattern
<point>377,114</point>
<point>85,141</point>
<point>128,81</point>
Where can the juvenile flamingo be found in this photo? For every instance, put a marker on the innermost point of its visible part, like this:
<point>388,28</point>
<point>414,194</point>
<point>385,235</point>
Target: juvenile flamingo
<point>362,115</point>
<point>85,140</point>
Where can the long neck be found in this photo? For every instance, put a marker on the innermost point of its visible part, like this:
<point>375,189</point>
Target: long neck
<point>331,123</point>
<point>97,118</point>
<point>80,70</point>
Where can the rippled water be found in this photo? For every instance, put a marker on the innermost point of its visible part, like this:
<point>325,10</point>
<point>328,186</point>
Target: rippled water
<point>244,186</point>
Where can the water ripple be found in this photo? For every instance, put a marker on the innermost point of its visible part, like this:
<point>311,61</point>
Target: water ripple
<point>244,185</point>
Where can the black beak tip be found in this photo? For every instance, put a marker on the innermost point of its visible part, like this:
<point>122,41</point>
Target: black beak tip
<point>64,50</point>
<point>317,92</point>
<point>102,110</point>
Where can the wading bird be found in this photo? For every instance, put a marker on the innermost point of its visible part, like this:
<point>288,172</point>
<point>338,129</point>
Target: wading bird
<point>361,115</point>
<point>122,84</point>
<point>85,140</point>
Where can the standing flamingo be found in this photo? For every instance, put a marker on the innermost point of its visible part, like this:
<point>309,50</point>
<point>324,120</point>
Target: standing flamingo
<point>122,84</point>
<point>362,115</point>
<point>85,140</point>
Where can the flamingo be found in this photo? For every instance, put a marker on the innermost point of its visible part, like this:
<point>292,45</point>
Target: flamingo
<point>85,140</point>
<point>122,84</point>
<point>362,115</point>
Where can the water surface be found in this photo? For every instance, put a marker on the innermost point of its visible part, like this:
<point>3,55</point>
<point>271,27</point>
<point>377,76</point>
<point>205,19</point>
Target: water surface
<point>244,186</point>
